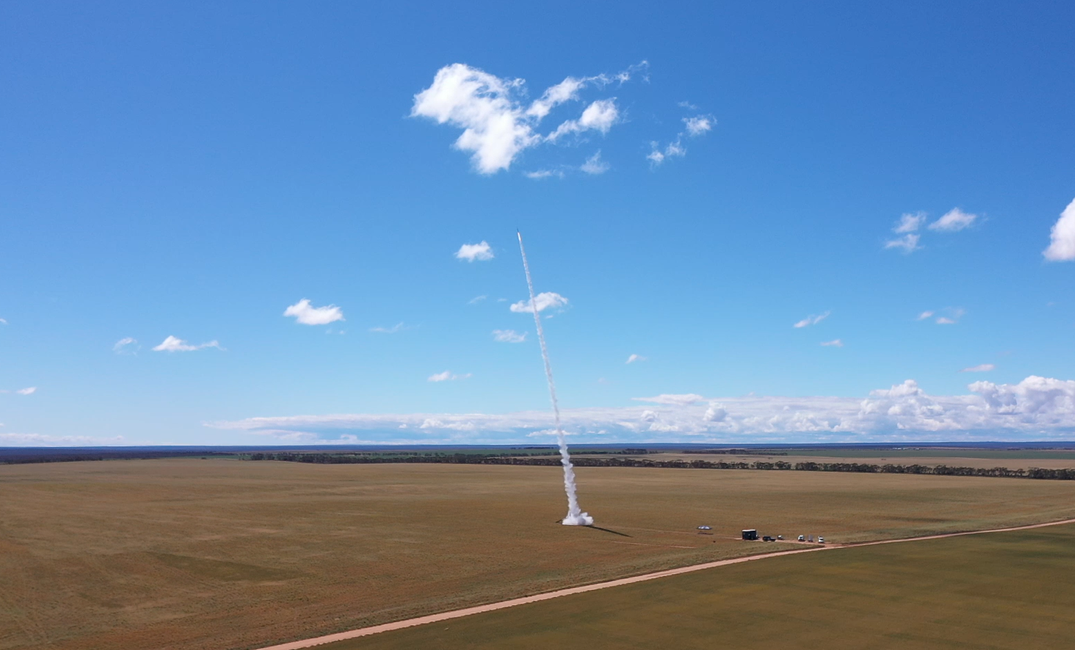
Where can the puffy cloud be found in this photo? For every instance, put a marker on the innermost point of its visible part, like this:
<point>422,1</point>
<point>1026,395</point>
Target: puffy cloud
<point>126,345</point>
<point>985,367</point>
<point>308,315</point>
<point>173,344</point>
<point>835,343</point>
<point>508,336</point>
<point>598,116</point>
<point>698,124</point>
<point>909,222</point>
<point>636,357</point>
<point>954,221</point>
<point>27,391</point>
<point>667,398</point>
<point>447,376</point>
<point>542,301</point>
<point>594,165</point>
<point>496,125</point>
<point>1035,409</point>
<point>470,252</point>
<point>812,320</point>
<point>946,316</point>
<point>1062,237</point>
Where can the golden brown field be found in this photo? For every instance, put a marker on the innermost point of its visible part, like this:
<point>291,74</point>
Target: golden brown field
<point>229,554</point>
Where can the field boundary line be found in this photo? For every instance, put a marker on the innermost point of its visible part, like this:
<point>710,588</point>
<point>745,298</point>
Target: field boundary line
<point>570,591</point>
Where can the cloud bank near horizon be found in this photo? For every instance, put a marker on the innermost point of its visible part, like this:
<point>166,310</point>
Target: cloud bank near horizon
<point>1036,408</point>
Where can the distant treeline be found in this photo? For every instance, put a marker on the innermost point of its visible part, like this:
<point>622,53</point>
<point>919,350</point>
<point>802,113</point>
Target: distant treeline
<point>737,452</point>
<point>506,459</point>
<point>15,457</point>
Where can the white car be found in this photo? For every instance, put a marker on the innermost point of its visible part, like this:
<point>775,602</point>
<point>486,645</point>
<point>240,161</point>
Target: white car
<point>802,538</point>
<point>820,540</point>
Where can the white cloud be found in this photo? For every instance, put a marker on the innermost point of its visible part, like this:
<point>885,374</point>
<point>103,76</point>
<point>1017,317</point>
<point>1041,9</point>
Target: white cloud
<point>909,222</point>
<point>594,165</point>
<point>943,320</point>
<point>496,125</point>
<point>27,391</point>
<point>126,345</point>
<point>673,150</point>
<point>307,315</point>
<point>598,116</point>
<point>476,299</point>
<point>1062,237</point>
<point>954,221</point>
<point>508,336</point>
<point>544,173</point>
<point>985,367</point>
<point>3,322</point>
<point>173,344</point>
<point>812,320</point>
<point>636,357</point>
<point>678,400</point>
<point>543,301</point>
<point>946,316</point>
<point>835,343</point>
<point>389,330</point>
<point>447,376</point>
<point>924,315</point>
<point>908,243</point>
<point>1035,409</point>
<point>43,440</point>
<point>698,125</point>
<point>470,252</point>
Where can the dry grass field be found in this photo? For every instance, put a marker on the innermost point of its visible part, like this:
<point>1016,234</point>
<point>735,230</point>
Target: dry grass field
<point>178,554</point>
<point>1000,591</point>
<point>952,458</point>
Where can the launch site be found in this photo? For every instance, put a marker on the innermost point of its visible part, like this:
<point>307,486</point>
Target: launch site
<point>478,326</point>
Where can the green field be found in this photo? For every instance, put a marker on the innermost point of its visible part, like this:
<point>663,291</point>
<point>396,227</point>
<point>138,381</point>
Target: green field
<point>187,553</point>
<point>1005,590</point>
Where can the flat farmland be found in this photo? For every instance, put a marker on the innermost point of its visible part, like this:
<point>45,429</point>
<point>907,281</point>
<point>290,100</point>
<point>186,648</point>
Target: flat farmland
<point>188,553</point>
<point>998,591</point>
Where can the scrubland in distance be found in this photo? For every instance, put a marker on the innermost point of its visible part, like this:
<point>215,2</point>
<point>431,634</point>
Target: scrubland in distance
<point>1010,590</point>
<point>178,554</point>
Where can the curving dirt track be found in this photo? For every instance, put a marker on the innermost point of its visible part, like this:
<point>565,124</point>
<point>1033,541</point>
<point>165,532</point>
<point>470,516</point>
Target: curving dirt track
<point>459,613</point>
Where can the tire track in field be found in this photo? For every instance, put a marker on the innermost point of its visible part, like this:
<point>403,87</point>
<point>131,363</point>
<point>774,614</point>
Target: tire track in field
<point>525,600</point>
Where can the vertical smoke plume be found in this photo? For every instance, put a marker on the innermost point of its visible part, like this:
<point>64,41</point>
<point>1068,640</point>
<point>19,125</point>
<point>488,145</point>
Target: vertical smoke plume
<point>575,516</point>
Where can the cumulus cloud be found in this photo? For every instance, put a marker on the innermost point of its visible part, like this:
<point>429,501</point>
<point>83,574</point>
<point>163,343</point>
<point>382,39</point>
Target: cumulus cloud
<point>1037,408</point>
<point>470,252</point>
<point>126,345</point>
<point>908,243</point>
<point>508,336</point>
<point>27,391</point>
<point>636,357</point>
<point>985,367</point>
<point>447,376</point>
<point>543,301</point>
<point>909,222</point>
<point>835,343</point>
<point>497,125</point>
<point>598,116</point>
<point>1062,237</point>
<point>594,165</point>
<point>946,316</point>
<point>812,320</point>
<point>907,226</point>
<point>173,344</point>
<point>954,221</point>
<point>306,314</point>
<point>693,127</point>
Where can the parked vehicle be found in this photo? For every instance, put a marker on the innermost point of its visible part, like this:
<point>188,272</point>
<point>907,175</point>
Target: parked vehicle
<point>802,538</point>
<point>820,540</point>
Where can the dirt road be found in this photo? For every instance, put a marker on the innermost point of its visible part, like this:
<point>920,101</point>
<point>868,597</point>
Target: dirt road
<point>459,613</point>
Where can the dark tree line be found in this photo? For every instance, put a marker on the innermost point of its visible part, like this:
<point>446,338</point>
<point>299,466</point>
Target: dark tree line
<point>507,459</point>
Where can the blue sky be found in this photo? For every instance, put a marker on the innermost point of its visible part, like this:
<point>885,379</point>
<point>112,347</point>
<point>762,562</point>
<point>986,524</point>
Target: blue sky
<point>192,171</point>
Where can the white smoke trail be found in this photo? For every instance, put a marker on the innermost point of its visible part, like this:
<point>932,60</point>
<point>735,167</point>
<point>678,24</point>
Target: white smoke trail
<point>575,516</point>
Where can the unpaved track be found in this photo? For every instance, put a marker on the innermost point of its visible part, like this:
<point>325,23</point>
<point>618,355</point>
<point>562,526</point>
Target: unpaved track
<point>459,613</point>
